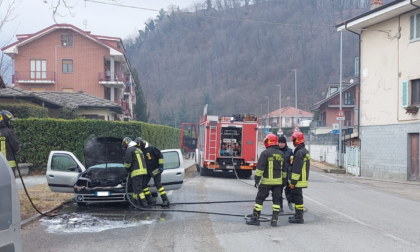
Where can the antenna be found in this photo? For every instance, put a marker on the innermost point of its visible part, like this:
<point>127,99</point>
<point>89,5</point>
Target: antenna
<point>85,23</point>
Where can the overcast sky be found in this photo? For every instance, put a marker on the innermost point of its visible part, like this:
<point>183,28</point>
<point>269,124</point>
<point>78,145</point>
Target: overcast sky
<point>106,20</point>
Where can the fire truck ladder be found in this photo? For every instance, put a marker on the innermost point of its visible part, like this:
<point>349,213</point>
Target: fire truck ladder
<point>212,143</point>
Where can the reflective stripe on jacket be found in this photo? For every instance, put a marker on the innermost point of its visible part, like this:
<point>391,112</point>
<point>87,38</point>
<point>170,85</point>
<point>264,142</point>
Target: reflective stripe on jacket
<point>270,167</point>
<point>300,167</point>
<point>134,162</point>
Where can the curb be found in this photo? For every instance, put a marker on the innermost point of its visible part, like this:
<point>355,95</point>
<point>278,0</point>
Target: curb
<point>36,217</point>
<point>389,181</point>
<point>331,170</point>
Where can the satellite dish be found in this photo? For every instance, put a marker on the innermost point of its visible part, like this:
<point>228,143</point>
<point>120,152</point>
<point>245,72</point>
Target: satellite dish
<point>351,81</point>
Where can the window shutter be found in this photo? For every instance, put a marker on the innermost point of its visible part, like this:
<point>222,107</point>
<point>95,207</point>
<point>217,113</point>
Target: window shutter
<point>404,94</point>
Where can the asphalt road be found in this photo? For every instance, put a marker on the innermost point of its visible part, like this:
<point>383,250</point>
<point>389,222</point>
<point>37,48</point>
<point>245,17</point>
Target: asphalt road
<point>343,216</point>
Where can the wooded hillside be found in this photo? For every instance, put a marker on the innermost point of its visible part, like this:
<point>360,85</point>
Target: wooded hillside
<point>186,59</point>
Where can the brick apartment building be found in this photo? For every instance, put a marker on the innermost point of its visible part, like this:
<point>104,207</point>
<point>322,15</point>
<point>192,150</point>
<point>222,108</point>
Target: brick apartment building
<point>64,58</point>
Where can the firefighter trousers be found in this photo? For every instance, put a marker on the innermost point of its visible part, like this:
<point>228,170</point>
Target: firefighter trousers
<point>137,184</point>
<point>157,180</point>
<point>264,191</point>
<point>297,198</point>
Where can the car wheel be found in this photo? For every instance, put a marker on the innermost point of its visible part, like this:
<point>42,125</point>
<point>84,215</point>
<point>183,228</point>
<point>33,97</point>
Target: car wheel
<point>203,171</point>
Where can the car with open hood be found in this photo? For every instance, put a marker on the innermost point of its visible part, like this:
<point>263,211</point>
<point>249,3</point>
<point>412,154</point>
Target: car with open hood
<point>103,177</point>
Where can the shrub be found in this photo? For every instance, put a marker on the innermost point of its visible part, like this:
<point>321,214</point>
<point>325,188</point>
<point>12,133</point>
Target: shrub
<point>25,110</point>
<point>40,136</point>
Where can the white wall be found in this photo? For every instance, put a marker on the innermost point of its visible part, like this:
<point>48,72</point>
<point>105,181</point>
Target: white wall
<point>328,153</point>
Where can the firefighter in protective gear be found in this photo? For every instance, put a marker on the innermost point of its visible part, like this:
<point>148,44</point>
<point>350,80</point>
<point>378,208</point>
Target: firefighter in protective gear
<point>269,177</point>
<point>154,164</point>
<point>300,174</point>
<point>288,153</point>
<point>9,144</point>
<point>136,166</point>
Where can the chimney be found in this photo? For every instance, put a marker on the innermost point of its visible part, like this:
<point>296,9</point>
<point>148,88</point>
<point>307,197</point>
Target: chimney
<point>376,3</point>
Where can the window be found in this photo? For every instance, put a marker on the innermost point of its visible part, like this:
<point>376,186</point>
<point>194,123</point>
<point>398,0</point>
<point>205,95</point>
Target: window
<point>38,89</point>
<point>347,116</point>
<point>63,163</point>
<point>348,99</point>
<point>66,40</point>
<point>107,94</point>
<point>38,69</point>
<point>170,160</point>
<point>333,89</point>
<point>415,92</point>
<point>67,66</point>
<point>94,117</point>
<point>68,90</point>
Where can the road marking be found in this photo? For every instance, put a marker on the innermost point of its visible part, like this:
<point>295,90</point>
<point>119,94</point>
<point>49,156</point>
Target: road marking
<point>169,193</point>
<point>384,232</point>
<point>324,176</point>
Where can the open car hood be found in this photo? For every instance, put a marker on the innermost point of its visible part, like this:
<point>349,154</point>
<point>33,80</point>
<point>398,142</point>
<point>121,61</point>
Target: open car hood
<point>103,150</point>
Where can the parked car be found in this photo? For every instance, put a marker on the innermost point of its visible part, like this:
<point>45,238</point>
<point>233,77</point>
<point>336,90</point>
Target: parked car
<point>103,177</point>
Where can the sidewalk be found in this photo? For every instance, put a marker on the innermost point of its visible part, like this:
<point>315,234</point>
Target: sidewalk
<point>327,167</point>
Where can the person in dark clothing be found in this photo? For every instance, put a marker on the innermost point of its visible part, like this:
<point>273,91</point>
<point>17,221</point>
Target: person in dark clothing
<point>154,164</point>
<point>301,162</point>
<point>9,144</point>
<point>286,176</point>
<point>136,166</point>
<point>268,177</point>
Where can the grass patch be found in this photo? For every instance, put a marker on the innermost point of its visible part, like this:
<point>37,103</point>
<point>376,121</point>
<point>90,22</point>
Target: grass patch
<point>43,199</point>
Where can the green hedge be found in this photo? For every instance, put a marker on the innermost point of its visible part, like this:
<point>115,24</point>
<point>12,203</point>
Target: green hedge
<point>289,131</point>
<point>25,110</point>
<point>40,136</point>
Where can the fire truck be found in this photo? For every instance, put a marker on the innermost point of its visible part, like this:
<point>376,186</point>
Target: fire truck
<point>223,143</point>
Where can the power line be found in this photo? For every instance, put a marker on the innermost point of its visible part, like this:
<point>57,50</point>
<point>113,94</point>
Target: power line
<point>213,17</point>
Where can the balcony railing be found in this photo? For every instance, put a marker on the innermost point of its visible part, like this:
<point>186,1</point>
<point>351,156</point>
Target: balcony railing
<point>321,123</point>
<point>34,76</point>
<point>118,77</point>
<point>345,103</point>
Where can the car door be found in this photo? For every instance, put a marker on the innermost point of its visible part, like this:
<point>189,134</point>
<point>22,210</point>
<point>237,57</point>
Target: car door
<point>63,170</point>
<point>173,174</point>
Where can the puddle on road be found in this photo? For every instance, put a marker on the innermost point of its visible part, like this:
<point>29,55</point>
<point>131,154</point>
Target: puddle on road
<point>99,219</point>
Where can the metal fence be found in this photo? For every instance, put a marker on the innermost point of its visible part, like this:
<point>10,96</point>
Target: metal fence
<point>323,139</point>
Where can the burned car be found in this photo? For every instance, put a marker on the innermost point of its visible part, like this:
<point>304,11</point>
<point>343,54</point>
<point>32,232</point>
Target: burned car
<point>103,177</point>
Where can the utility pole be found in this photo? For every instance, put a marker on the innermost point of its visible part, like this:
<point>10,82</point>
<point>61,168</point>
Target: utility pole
<point>340,144</point>
<point>268,110</point>
<point>295,95</point>
<point>261,121</point>
<point>279,105</point>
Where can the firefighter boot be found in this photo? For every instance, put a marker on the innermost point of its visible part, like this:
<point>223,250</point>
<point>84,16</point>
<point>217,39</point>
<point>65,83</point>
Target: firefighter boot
<point>274,218</point>
<point>255,218</point>
<point>142,200</point>
<point>298,218</point>
<point>148,196</point>
<point>165,201</point>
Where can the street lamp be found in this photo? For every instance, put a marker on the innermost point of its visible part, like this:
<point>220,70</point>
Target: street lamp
<point>295,94</point>
<point>268,110</point>
<point>279,105</point>
<point>261,122</point>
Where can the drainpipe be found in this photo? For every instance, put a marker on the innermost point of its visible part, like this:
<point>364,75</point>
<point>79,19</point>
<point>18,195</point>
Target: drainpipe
<point>411,2</point>
<point>360,87</point>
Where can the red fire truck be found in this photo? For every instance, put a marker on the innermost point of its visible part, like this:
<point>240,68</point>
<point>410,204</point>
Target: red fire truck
<point>224,143</point>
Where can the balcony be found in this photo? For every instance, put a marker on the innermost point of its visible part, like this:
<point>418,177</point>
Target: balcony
<point>319,124</point>
<point>128,90</point>
<point>34,77</point>
<point>105,79</point>
<point>127,111</point>
<point>348,103</point>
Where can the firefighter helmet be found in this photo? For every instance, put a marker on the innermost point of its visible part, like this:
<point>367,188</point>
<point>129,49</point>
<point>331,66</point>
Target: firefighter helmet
<point>125,142</point>
<point>270,140</point>
<point>141,143</point>
<point>297,138</point>
<point>6,117</point>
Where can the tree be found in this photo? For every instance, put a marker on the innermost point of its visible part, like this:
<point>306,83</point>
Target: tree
<point>140,109</point>
<point>183,115</point>
<point>209,4</point>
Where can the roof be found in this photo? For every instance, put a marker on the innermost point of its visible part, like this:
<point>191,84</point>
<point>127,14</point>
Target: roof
<point>289,112</point>
<point>378,15</point>
<point>318,104</point>
<point>72,100</point>
<point>26,38</point>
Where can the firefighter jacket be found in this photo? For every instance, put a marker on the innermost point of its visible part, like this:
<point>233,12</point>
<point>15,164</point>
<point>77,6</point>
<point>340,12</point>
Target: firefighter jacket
<point>288,167</point>
<point>270,167</point>
<point>300,167</point>
<point>9,144</point>
<point>154,158</point>
<point>134,160</point>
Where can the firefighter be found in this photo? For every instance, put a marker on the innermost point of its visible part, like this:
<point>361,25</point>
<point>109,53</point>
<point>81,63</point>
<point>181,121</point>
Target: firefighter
<point>300,175</point>
<point>270,173</point>
<point>136,166</point>
<point>9,144</point>
<point>154,164</point>
<point>286,175</point>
